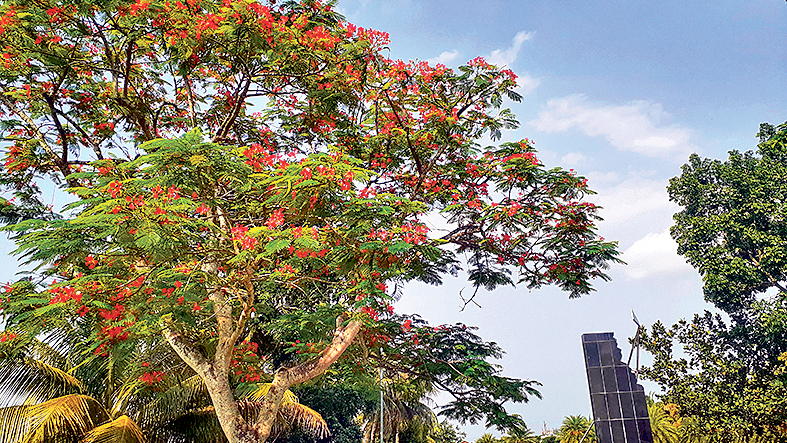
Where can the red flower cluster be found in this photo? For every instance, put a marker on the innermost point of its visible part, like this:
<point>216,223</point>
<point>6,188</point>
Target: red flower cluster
<point>151,378</point>
<point>371,312</point>
<point>7,336</point>
<point>64,294</point>
<point>115,188</point>
<point>115,332</point>
<point>246,242</point>
<point>414,233</point>
<point>347,181</point>
<point>275,220</point>
<point>113,314</point>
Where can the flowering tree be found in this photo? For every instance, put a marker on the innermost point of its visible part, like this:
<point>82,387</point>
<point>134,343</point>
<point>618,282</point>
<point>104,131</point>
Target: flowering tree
<point>251,182</point>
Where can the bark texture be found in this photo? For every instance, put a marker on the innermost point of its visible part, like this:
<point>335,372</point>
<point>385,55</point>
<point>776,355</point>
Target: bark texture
<point>215,374</point>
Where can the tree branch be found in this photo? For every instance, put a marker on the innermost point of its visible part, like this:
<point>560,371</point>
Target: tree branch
<point>185,350</point>
<point>230,120</point>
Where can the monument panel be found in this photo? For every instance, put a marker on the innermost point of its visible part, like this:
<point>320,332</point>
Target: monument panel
<point>620,410</point>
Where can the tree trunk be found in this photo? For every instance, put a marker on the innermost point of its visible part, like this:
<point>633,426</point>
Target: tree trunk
<point>216,378</point>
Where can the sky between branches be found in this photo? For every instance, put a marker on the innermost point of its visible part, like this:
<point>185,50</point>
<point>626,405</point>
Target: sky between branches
<point>622,92</point>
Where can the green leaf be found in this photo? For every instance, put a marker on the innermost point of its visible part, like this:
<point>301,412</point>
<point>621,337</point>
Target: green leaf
<point>277,245</point>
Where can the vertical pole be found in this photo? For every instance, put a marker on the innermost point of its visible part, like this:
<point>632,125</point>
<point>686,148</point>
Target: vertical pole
<point>586,432</point>
<point>381,405</point>
<point>636,371</point>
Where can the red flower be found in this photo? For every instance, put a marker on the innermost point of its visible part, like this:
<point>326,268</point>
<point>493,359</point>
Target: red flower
<point>275,220</point>
<point>115,188</point>
<point>7,336</point>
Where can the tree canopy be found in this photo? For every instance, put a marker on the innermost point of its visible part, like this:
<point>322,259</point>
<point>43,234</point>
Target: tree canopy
<point>733,225</point>
<point>251,183</point>
<point>728,376</point>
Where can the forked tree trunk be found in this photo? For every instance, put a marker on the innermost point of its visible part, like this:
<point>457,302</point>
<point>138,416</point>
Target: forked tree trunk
<point>215,374</point>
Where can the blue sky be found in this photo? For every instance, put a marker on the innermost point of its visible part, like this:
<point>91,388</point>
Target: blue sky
<point>622,92</point>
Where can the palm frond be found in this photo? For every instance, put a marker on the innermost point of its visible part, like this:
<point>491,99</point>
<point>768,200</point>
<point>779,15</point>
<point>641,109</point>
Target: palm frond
<point>185,395</point>
<point>198,425</point>
<point>14,423</point>
<point>120,430</point>
<point>662,425</point>
<point>290,416</point>
<point>47,353</point>
<point>303,417</point>
<point>70,415</point>
<point>25,377</point>
<point>262,390</point>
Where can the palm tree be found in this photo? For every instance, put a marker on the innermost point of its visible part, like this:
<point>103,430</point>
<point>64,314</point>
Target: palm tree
<point>524,436</point>
<point>57,391</point>
<point>662,423</point>
<point>403,412</point>
<point>574,427</point>
<point>44,402</point>
<point>487,438</point>
<point>692,431</point>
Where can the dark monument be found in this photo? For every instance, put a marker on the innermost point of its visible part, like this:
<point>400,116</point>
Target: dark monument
<point>620,411</point>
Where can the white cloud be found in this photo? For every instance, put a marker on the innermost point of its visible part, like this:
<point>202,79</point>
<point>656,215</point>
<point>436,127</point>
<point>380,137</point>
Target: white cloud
<point>573,159</point>
<point>525,84</point>
<point>632,200</point>
<point>596,177</point>
<point>506,57</point>
<point>444,58</point>
<point>637,126</point>
<point>654,254</point>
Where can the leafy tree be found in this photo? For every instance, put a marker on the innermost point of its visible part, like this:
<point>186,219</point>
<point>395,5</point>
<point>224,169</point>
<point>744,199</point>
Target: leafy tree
<point>730,378</point>
<point>524,436</point>
<point>487,438</point>
<point>574,427</point>
<point>663,422</point>
<point>733,225</point>
<point>289,227</point>
<point>732,229</point>
<point>339,404</point>
<point>445,432</point>
<point>68,397</point>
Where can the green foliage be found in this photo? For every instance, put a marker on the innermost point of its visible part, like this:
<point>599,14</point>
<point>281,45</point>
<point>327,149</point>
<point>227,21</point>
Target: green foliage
<point>445,432</point>
<point>727,377</point>
<point>523,436</point>
<point>486,438</point>
<point>663,425</point>
<point>339,404</point>
<point>732,226</point>
<point>731,378</point>
<point>260,242</point>
<point>573,429</point>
